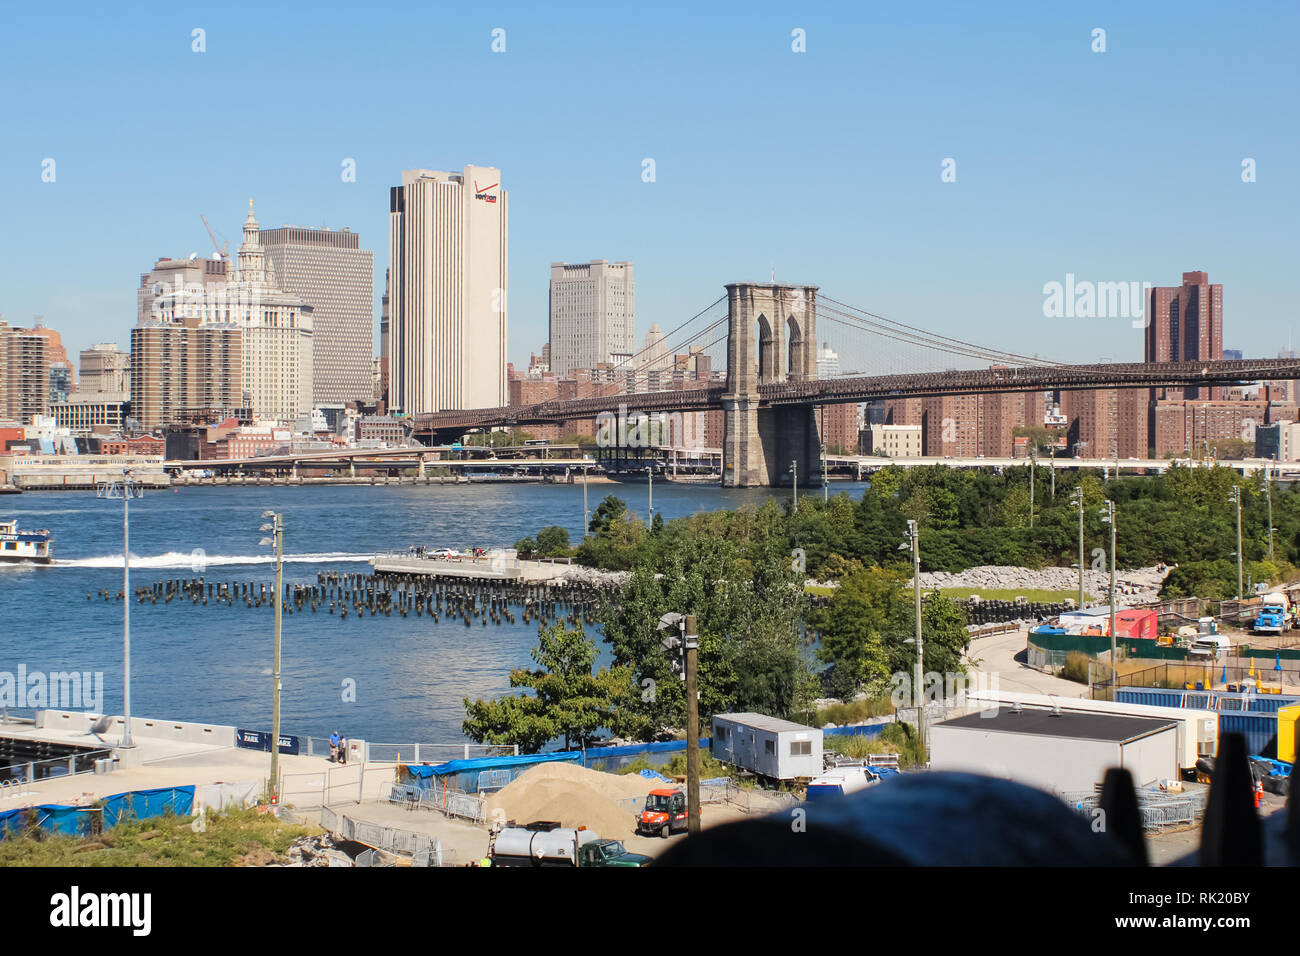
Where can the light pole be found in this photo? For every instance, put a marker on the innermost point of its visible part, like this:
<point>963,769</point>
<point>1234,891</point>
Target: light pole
<point>126,489</point>
<point>914,538</point>
<point>1268,490</point>
<point>276,527</point>
<point>1234,497</point>
<point>1032,463</point>
<point>650,473</point>
<point>794,484</point>
<point>1108,516</point>
<point>1077,499</point>
<point>686,645</point>
<point>1052,447</point>
<point>586,514</point>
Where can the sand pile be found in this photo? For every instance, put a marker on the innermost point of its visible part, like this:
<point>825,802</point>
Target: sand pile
<point>574,795</point>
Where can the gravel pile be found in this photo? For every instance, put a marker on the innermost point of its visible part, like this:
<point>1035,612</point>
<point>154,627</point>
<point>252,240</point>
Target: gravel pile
<point>573,795</point>
<point>1136,586</point>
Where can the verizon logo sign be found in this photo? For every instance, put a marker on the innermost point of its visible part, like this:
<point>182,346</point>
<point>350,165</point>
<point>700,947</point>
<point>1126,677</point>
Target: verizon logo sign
<point>481,192</point>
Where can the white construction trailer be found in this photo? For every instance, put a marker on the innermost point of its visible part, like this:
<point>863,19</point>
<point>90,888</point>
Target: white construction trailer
<point>768,746</point>
<point>1198,730</point>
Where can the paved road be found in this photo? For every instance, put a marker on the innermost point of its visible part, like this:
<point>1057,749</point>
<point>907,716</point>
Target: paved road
<point>995,657</point>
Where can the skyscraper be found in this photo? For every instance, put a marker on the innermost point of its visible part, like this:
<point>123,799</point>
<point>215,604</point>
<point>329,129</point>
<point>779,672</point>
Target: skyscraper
<point>24,373</point>
<point>447,291</point>
<point>1185,323</point>
<point>593,314</point>
<point>330,272</point>
<point>105,368</point>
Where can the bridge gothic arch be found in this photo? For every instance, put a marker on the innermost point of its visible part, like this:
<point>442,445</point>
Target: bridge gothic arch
<point>771,339</point>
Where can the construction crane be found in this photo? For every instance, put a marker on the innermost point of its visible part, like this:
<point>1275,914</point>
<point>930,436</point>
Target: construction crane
<point>222,251</point>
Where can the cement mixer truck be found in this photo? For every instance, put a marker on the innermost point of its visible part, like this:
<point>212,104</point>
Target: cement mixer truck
<point>543,844</point>
<point>1273,616</point>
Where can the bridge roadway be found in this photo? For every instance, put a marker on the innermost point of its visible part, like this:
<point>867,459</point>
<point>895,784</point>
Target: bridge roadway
<point>869,463</point>
<point>870,387</point>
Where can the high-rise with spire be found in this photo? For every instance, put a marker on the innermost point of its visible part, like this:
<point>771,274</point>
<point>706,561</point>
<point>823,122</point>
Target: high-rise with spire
<point>277,327</point>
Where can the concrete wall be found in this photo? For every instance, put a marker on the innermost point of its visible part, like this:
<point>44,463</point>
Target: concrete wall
<point>73,721</point>
<point>1055,764</point>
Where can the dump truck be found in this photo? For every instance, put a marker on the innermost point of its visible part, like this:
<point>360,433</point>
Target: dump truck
<point>1273,616</point>
<point>548,845</point>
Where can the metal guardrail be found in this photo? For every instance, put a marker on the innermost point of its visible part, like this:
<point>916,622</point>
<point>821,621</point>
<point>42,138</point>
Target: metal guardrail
<point>32,771</point>
<point>1160,809</point>
<point>420,847</point>
<point>434,753</point>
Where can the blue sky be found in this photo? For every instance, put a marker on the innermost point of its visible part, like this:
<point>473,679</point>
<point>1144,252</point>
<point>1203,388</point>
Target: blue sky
<point>823,165</point>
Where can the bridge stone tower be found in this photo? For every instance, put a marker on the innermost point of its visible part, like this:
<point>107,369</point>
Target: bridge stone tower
<point>771,340</point>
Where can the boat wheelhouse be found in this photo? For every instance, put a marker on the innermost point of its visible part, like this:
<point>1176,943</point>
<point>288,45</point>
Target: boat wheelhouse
<point>33,546</point>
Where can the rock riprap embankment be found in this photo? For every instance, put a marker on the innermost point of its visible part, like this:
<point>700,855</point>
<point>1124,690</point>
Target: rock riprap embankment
<point>1135,586</point>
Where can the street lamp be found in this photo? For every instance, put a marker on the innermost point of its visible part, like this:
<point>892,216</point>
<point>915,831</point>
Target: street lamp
<point>650,473</point>
<point>914,539</point>
<point>794,483</point>
<point>1268,490</point>
<point>687,645</point>
<point>126,489</point>
<point>586,514</point>
<point>1108,516</point>
<point>1033,467</point>
<point>1077,500</point>
<point>276,527</point>
<point>1234,497</point>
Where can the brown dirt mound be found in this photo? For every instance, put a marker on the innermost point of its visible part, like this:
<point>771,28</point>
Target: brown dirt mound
<point>573,795</point>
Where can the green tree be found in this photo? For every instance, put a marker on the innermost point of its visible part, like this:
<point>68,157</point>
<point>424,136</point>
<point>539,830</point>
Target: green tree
<point>852,629</point>
<point>553,541</point>
<point>568,700</point>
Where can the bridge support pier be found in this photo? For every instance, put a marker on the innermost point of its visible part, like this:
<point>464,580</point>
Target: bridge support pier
<point>769,325</point>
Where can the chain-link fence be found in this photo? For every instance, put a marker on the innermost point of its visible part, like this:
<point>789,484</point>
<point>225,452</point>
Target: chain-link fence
<point>422,849</point>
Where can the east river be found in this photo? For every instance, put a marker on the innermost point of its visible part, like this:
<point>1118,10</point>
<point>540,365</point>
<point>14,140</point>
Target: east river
<point>213,663</point>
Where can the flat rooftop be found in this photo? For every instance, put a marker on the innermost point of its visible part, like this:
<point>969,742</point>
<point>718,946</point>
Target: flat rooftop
<point>1075,725</point>
<point>764,722</point>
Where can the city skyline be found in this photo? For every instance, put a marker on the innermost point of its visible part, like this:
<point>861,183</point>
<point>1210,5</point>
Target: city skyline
<point>960,257</point>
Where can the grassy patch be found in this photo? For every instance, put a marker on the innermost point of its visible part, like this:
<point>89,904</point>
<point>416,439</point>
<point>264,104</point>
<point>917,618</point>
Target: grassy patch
<point>893,739</point>
<point>854,711</point>
<point>236,838</point>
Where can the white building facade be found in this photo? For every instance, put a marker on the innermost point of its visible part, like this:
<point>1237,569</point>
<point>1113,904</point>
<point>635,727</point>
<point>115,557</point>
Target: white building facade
<point>447,299</point>
<point>592,315</point>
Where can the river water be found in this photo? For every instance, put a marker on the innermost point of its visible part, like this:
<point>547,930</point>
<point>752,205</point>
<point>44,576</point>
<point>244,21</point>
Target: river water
<point>213,663</point>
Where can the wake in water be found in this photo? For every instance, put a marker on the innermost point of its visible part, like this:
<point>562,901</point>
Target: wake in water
<point>198,562</point>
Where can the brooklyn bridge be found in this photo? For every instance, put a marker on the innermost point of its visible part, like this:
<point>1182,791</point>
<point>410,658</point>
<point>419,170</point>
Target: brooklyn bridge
<point>763,340</point>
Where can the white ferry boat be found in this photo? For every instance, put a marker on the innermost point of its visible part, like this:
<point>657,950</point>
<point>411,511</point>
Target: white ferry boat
<point>15,545</point>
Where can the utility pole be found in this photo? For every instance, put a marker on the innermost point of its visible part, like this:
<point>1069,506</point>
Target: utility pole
<point>1053,453</point>
<point>126,489</point>
<point>1234,496</point>
<point>826,494</point>
<point>1109,517</point>
<point>914,536</point>
<point>1032,462</point>
<point>276,527</point>
<point>1268,490</point>
<point>691,644</point>
<point>1077,499</point>
<point>794,485</point>
<point>586,515</point>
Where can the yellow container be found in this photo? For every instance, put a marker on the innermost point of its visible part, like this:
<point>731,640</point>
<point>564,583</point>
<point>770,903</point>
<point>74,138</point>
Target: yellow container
<point>1287,719</point>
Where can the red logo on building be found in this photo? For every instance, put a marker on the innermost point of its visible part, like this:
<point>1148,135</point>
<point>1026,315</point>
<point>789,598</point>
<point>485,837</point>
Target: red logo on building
<point>482,192</point>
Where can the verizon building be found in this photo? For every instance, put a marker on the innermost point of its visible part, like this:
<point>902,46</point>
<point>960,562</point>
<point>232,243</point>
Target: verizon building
<point>593,315</point>
<point>330,272</point>
<point>447,291</point>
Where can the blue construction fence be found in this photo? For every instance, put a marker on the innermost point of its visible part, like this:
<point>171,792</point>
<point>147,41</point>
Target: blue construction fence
<point>112,810</point>
<point>484,774</point>
<point>1254,716</point>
